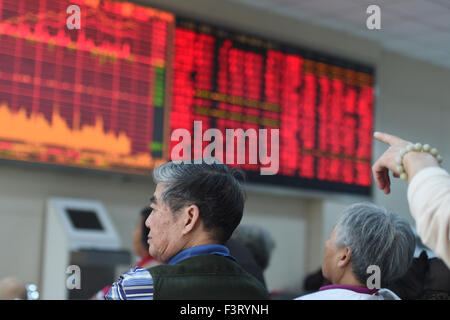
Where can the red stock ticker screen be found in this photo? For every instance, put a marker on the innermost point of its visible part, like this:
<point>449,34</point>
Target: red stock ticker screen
<point>321,105</point>
<point>109,95</point>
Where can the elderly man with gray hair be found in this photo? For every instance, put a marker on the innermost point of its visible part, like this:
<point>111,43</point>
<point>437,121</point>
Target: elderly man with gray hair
<point>196,208</point>
<point>368,248</point>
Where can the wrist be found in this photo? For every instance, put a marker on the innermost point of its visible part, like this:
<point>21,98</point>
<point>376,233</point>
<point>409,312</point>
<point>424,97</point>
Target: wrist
<point>415,161</point>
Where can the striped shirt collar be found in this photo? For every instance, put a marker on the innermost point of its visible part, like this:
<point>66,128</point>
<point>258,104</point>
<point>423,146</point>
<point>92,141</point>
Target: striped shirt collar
<point>199,250</point>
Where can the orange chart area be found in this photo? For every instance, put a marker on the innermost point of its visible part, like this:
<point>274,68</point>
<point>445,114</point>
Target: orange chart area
<point>36,130</point>
<point>35,138</point>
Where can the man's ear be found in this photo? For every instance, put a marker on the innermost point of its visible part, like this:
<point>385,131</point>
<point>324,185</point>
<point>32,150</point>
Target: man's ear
<point>191,219</point>
<point>344,257</point>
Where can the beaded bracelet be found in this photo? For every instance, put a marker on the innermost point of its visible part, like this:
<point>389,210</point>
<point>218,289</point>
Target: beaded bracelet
<point>418,148</point>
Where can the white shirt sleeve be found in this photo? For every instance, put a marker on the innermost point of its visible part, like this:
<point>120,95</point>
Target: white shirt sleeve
<point>429,202</point>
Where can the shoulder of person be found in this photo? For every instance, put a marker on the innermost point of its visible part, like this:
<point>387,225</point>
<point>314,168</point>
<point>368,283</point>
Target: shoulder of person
<point>337,294</point>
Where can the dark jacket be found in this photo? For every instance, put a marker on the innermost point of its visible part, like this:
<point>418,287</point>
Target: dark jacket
<point>205,277</point>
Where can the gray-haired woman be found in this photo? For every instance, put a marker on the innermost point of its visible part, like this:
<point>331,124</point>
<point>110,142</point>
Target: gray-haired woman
<point>368,248</point>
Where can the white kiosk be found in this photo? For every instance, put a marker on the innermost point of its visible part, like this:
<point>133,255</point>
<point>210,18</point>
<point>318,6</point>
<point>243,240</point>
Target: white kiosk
<point>81,249</point>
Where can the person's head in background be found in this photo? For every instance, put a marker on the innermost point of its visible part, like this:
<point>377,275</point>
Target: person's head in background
<point>368,235</point>
<point>258,240</point>
<point>140,233</point>
<point>12,289</point>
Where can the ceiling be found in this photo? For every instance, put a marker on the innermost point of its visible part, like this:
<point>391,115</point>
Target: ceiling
<point>415,28</point>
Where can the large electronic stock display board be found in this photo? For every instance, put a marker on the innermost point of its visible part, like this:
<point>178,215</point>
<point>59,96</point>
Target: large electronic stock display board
<point>92,97</point>
<point>109,95</point>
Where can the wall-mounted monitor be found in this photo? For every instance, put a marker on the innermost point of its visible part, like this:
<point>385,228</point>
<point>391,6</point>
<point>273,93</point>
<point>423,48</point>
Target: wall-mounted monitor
<point>83,223</point>
<point>84,219</point>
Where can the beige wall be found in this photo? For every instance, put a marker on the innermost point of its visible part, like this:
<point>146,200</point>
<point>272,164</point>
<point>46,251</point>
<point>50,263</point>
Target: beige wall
<point>412,101</point>
<point>23,192</point>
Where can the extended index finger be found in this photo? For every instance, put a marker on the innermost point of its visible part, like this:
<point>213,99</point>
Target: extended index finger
<point>387,138</point>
